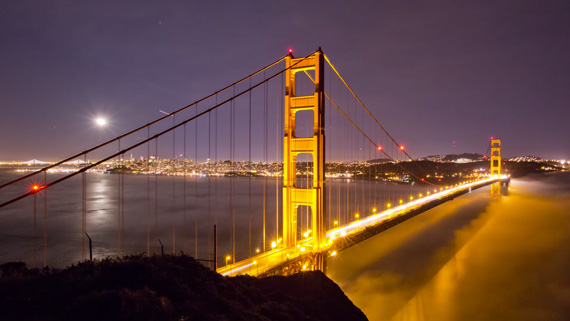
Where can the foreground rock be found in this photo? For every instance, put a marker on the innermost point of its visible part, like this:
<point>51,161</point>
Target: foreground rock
<point>166,288</point>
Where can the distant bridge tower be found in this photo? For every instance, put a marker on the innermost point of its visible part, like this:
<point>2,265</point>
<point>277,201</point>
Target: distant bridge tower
<point>312,196</point>
<point>496,165</point>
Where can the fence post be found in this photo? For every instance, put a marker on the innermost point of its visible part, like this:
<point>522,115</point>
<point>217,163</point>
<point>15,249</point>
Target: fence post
<point>90,247</point>
<point>161,247</point>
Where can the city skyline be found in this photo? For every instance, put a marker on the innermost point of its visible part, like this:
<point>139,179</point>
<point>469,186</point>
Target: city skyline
<point>433,73</point>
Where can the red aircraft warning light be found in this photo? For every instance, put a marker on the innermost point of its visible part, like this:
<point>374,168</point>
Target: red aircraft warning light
<point>402,147</point>
<point>379,147</point>
<point>290,51</point>
<point>35,188</point>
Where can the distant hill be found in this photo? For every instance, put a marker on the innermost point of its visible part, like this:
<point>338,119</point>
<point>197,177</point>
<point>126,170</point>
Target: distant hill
<point>462,158</point>
<point>379,161</point>
<point>524,159</point>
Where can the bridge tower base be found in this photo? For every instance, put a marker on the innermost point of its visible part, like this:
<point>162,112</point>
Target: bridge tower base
<point>306,262</point>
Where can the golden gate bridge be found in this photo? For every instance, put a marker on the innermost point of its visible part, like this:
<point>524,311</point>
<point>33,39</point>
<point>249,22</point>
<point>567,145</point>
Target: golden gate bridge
<point>288,156</point>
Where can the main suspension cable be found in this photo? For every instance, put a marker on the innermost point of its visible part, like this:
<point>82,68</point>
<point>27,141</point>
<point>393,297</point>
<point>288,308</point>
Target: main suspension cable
<point>373,143</point>
<point>145,140</point>
<point>144,126</point>
<point>370,114</point>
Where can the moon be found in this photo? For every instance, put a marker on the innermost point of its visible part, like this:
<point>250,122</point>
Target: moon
<point>100,121</point>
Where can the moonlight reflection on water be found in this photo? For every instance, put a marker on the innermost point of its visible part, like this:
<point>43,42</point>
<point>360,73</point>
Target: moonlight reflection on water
<point>475,258</point>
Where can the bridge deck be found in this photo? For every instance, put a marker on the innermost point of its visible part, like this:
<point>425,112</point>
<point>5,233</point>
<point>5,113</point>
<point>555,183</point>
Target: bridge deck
<point>343,237</point>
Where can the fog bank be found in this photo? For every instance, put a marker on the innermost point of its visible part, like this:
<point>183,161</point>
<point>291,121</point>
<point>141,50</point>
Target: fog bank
<point>475,258</point>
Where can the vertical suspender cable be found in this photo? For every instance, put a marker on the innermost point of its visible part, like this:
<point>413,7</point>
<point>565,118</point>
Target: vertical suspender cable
<point>45,220</point>
<point>363,195</point>
<point>329,159</point>
<point>357,154</point>
<point>156,188</point>
<point>209,183</point>
<point>369,170</point>
<point>249,165</point>
<point>83,211</point>
<point>347,156</point>
<point>122,202</point>
<point>174,163</point>
<point>309,133</point>
<point>184,193</point>
<point>305,209</point>
<point>338,160</point>
<point>232,152</point>
<point>216,162</point>
<point>196,182</point>
<point>278,98</point>
<point>119,201</point>
<point>148,194</point>
<point>264,154</point>
<point>216,179</point>
<point>35,235</point>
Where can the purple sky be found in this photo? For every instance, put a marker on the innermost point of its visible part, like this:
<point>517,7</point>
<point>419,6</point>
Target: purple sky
<point>432,72</point>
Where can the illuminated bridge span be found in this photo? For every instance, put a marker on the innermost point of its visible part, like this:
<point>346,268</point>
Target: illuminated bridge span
<point>269,175</point>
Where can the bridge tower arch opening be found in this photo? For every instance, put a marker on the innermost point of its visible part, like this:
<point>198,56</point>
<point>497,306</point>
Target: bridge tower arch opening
<point>313,196</point>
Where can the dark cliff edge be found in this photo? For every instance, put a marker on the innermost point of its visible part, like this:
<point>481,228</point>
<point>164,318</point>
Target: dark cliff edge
<point>166,288</point>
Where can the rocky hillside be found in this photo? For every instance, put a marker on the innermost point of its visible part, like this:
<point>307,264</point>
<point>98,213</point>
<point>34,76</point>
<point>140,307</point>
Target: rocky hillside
<point>166,288</point>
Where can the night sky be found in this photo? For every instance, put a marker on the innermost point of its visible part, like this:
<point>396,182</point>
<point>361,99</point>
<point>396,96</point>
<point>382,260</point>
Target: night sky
<point>432,72</point>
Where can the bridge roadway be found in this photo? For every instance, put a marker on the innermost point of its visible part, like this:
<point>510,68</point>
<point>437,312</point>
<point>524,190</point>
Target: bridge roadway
<point>355,231</point>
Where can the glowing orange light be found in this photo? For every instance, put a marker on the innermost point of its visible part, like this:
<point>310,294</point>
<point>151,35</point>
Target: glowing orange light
<point>422,179</point>
<point>379,147</point>
<point>402,147</point>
